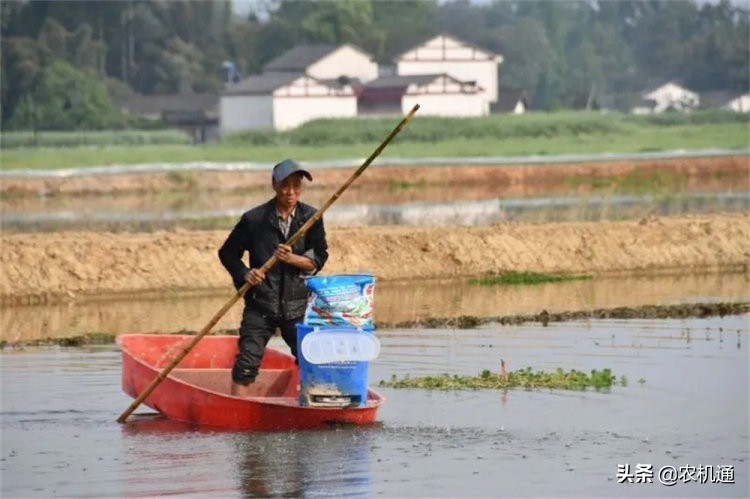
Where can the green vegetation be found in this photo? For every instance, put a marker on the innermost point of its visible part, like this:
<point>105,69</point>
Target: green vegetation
<point>66,98</point>
<point>497,135</point>
<point>522,378</point>
<point>434,129</point>
<point>503,126</point>
<point>93,338</point>
<point>395,185</point>
<point>572,54</point>
<point>636,182</point>
<point>89,339</point>
<point>207,223</point>
<point>94,138</point>
<point>515,278</point>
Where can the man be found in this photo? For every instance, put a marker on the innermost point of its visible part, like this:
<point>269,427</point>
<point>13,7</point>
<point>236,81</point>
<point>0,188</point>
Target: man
<point>277,299</point>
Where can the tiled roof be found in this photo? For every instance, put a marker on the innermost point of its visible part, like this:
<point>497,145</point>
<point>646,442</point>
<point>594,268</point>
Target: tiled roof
<point>157,104</point>
<point>655,84</point>
<point>394,81</point>
<point>717,98</point>
<point>508,98</point>
<point>300,57</point>
<point>262,84</point>
<point>479,49</point>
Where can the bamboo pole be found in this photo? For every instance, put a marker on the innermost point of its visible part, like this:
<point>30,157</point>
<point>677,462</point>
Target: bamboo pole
<point>266,266</point>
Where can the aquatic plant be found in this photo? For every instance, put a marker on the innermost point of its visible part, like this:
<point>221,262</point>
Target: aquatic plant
<point>511,278</point>
<point>394,185</point>
<point>521,378</point>
<point>676,311</point>
<point>91,338</point>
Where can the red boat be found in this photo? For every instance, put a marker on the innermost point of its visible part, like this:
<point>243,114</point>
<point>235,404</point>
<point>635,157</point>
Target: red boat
<point>198,389</point>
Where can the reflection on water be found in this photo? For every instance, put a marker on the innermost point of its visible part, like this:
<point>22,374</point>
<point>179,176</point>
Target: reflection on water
<point>60,438</point>
<point>288,464</point>
<point>394,302</point>
<point>303,464</point>
<point>429,206</point>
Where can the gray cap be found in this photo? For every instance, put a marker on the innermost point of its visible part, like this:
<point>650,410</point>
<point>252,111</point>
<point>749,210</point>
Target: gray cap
<point>287,167</point>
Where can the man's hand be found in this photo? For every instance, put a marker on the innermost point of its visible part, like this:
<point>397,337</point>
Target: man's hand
<point>254,276</point>
<point>284,253</point>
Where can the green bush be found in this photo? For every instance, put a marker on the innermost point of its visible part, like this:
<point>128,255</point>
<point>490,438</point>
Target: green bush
<point>67,98</point>
<point>435,129</point>
<point>10,140</point>
<point>255,138</point>
<point>712,116</point>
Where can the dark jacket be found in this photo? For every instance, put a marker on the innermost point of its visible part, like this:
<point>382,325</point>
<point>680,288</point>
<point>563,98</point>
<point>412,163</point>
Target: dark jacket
<point>283,293</point>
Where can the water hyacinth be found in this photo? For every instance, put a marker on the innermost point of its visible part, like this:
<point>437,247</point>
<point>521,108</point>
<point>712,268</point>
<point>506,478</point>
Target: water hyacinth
<point>521,378</point>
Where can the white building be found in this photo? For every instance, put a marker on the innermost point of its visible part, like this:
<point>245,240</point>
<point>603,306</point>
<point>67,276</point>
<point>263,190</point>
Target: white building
<point>726,100</point>
<point>326,62</point>
<point>306,83</point>
<point>667,96</point>
<point>437,95</point>
<point>738,103</point>
<point>282,101</point>
<point>445,54</point>
<point>512,101</point>
<point>446,76</point>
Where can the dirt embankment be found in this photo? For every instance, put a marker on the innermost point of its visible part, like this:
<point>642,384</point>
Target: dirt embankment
<point>699,173</point>
<point>76,265</point>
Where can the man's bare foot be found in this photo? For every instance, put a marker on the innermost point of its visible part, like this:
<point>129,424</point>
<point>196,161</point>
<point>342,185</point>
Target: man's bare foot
<point>253,389</point>
<point>239,390</point>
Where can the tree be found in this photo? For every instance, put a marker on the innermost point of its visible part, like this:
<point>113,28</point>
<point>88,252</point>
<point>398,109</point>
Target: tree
<point>344,21</point>
<point>718,52</point>
<point>558,49</point>
<point>78,47</point>
<point>22,65</point>
<point>67,99</point>
<point>527,53</point>
<point>404,23</point>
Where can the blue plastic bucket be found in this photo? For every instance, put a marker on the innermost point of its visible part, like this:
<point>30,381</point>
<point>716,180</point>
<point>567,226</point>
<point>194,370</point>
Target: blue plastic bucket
<point>334,364</point>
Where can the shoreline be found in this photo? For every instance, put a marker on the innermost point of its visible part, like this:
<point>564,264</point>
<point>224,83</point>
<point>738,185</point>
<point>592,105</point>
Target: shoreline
<point>74,266</point>
<point>506,178</point>
<point>681,311</point>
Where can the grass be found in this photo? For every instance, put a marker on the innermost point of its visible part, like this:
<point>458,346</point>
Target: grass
<point>205,223</point>
<point>521,378</point>
<point>636,182</point>
<point>497,135</point>
<point>395,185</point>
<point>17,139</point>
<point>517,278</point>
<point>92,338</point>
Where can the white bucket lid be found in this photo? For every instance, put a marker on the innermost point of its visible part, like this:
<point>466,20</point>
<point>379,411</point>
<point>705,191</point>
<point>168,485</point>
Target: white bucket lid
<point>322,347</point>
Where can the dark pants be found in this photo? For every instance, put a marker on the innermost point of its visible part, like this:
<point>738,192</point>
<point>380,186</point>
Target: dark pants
<point>255,331</point>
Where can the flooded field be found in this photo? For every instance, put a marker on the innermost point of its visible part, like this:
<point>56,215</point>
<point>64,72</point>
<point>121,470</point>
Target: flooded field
<point>387,205</point>
<point>395,302</point>
<point>685,405</point>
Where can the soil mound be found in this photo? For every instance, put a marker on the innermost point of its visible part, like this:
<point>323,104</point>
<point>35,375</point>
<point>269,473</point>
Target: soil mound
<point>49,267</point>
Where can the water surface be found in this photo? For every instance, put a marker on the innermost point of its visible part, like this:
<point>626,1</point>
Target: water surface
<point>59,435</point>
<point>395,302</point>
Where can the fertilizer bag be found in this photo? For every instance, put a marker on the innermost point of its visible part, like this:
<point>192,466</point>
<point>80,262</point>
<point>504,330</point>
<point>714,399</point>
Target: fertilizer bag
<point>340,300</point>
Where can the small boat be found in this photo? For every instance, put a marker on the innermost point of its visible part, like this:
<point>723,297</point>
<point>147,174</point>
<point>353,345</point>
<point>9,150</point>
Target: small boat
<point>197,390</point>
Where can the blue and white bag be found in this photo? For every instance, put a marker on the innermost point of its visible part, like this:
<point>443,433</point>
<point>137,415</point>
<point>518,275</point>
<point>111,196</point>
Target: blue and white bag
<point>341,300</point>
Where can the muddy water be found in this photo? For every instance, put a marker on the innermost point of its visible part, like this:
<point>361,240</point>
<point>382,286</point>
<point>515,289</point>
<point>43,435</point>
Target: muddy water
<point>428,205</point>
<point>59,436</point>
<point>395,302</point>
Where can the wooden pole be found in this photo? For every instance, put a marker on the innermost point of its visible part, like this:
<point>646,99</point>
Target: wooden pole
<point>266,266</point>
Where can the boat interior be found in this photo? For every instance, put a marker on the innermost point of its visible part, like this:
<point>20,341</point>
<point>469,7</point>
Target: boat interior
<point>269,383</point>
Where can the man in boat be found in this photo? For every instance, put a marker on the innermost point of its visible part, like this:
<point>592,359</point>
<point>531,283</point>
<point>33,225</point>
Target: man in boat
<point>278,298</point>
